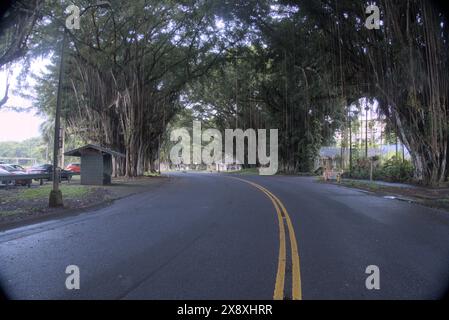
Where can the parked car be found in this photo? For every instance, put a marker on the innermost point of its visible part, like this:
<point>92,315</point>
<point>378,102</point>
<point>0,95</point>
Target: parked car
<point>48,169</point>
<point>13,171</point>
<point>74,167</point>
<point>3,172</point>
<point>17,167</point>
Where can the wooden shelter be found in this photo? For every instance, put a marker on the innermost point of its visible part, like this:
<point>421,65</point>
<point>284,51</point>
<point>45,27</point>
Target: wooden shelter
<point>96,164</point>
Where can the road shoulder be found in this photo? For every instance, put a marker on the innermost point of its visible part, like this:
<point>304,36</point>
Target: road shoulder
<point>437,198</point>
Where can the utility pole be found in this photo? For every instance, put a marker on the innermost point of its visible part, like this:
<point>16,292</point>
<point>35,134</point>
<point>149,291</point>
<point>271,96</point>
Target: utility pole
<point>403,153</point>
<point>62,138</point>
<point>55,200</point>
<point>159,154</point>
<point>397,142</point>
<point>352,113</point>
<point>366,132</point>
<point>350,143</point>
<point>236,97</point>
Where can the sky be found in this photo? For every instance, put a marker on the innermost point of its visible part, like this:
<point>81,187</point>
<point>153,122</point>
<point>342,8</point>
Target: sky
<point>18,126</point>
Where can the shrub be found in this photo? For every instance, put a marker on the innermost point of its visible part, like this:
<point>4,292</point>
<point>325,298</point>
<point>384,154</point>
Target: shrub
<point>392,170</point>
<point>396,170</point>
<point>361,170</point>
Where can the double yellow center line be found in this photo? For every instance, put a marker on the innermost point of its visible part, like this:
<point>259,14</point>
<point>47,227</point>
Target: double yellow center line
<point>284,221</point>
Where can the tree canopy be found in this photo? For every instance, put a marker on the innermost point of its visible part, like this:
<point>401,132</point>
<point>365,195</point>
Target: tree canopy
<point>291,65</point>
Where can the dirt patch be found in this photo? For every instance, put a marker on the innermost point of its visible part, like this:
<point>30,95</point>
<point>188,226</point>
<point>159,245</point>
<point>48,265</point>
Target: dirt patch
<point>19,208</point>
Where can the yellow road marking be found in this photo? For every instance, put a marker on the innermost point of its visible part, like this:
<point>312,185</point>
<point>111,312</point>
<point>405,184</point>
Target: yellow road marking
<point>280,276</point>
<point>296,272</point>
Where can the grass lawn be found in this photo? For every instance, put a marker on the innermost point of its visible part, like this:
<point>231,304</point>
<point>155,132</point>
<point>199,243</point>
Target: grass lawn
<point>28,201</point>
<point>21,203</point>
<point>363,185</point>
<point>68,191</point>
<point>247,171</point>
<point>152,174</point>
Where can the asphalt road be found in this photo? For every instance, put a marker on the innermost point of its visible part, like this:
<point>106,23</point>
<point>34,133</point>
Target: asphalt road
<point>210,236</point>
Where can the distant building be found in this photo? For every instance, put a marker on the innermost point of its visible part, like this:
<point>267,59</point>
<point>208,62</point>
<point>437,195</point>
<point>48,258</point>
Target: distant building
<point>331,157</point>
<point>223,167</point>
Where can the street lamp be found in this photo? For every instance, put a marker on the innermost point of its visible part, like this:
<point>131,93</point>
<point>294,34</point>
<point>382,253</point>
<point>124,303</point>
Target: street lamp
<point>55,198</point>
